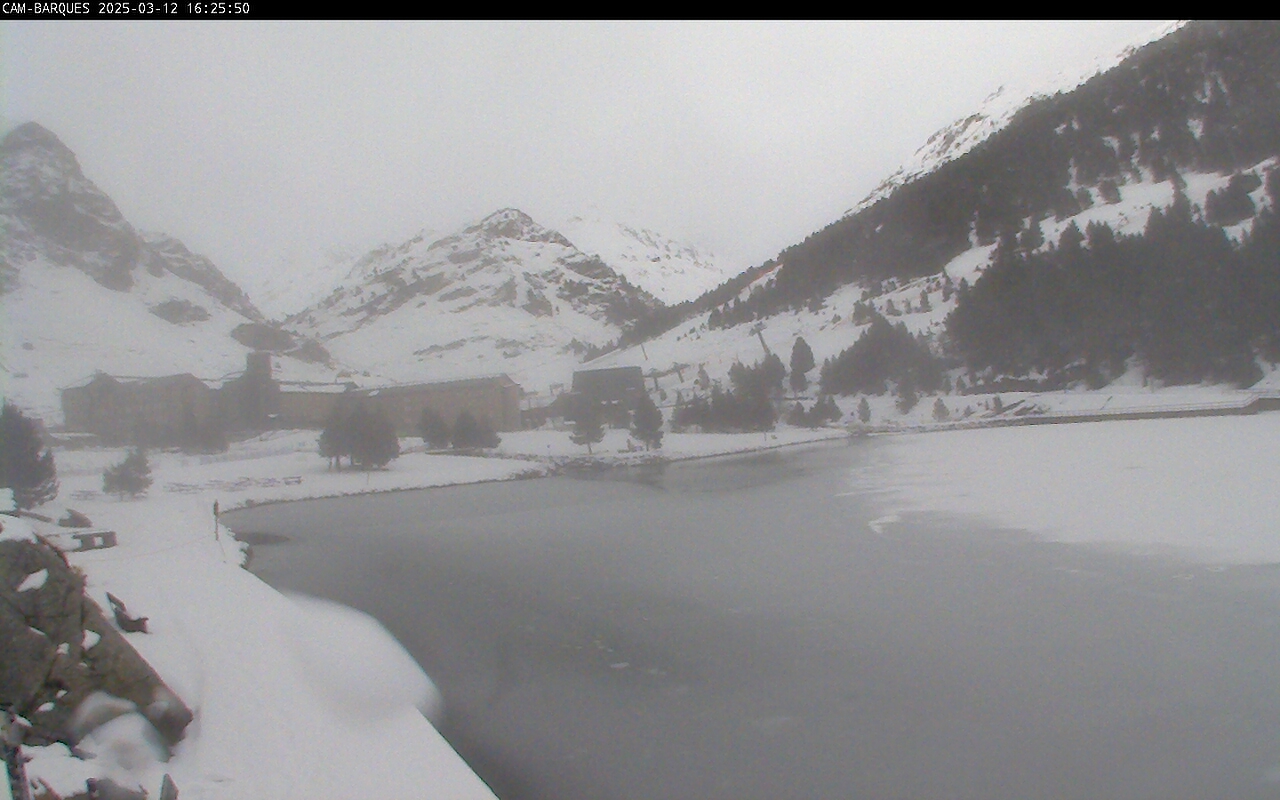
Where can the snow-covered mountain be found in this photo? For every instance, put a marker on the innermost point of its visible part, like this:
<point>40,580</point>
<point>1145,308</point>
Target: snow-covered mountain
<point>82,290</point>
<point>1192,114</point>
<point>299,280</point>
<point>831,326</point>
<point>671,271</point>
<point>502,295</point>
<point>997,110</point>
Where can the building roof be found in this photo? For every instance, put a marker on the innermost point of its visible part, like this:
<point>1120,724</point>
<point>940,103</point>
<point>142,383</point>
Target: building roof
<point>502,379</point>
<point>140,382</point>
<point>316,388</point>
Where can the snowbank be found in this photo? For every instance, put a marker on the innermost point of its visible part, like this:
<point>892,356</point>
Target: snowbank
<point>293,697</point>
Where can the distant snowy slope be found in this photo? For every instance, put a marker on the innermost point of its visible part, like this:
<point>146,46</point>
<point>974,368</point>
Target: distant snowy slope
<point>302,279</point>
<point>829,328</point>
<point>60,327</point>
<point>51,209</point>
<point>961,136</point>
<point>671,271</point>
<point>81,290</point>
<point>502,295</point>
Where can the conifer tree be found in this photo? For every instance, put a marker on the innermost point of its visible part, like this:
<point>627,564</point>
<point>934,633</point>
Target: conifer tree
<point>587,427</point>
<point>907,396</point>
<point>435,431</point>
<point>469,432</point>
<point>30,473</point>
<point>373,439</point>
<point>131,476</point>
<point>646,423</point>
<point>940,411</point>
<point>801,362</point>
<point>826,410</point>
<point>798,416</point>
<point>864,411</point>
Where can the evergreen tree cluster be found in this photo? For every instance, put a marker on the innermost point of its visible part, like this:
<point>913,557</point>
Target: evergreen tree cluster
<point>1232,204</point>
<point>762,379</point>
<point>726,412</point>
<point>748,406</point>
<point>824,410</point>
<point>1205,98</point>
<point>366,438</point>
<point>1179,297</point>
<point>885,353</point>
<point>132,476</point>
<point>26,465</point>
<point>468,432</point>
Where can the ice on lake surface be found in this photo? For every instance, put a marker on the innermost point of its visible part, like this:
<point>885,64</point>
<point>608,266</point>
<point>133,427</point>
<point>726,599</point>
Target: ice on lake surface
<point>778,625</point>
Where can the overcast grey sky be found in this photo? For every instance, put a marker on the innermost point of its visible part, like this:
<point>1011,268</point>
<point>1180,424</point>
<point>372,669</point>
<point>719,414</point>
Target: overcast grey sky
<point>252,141</point>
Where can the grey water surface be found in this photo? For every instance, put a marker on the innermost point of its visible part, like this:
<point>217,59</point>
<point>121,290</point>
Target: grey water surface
<point>735,629</point>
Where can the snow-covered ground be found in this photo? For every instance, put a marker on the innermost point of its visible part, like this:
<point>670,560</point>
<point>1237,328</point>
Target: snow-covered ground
<point>295,698</point>
<point>1203,487</point>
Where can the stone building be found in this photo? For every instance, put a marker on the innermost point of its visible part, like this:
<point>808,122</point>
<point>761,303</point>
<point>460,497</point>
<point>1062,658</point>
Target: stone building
<point>614,391</point>
<point>309,405</point>
<point>493,399</point>
<point>175,408</point>
<point>146,411</point>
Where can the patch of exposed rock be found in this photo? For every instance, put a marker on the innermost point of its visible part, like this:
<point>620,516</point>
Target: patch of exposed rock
<point>60,650</point>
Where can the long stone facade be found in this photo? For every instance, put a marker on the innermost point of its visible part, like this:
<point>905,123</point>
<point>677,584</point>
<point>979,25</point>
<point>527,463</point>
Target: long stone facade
<point>494,400</point>
<point>165,410</point>
<point>148,411</point>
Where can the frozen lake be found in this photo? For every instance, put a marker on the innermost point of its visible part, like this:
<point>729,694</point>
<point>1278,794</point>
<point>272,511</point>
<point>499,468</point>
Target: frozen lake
<point>738,629</point>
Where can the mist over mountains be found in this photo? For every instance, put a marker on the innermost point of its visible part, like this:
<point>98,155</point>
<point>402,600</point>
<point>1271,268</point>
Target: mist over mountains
<point>1121,224</point>
<point>1188,123</point>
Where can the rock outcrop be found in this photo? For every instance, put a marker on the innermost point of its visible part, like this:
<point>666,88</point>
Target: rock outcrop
<point>60,649</point>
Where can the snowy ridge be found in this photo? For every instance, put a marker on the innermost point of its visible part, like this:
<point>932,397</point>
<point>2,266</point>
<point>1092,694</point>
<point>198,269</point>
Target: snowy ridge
<point>503,295</point>
<point>82,291</point>
<point>831,329</point>
<point>300,280</point>
<point>199,270</point>
<point>671,271</point>
<point>961,136</point>
<point>51,210</point>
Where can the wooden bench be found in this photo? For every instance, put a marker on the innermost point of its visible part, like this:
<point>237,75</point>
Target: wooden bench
<point>94,540</point>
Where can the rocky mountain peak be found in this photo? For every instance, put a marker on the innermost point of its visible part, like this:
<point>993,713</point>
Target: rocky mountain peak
<point>41,180</point>
<point>51,211</point>
<point>50,208</point>
<point>32,138</point>
<point>511,223</point>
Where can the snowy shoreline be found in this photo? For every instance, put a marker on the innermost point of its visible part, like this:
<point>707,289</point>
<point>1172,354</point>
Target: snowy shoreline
<point>279,684</point>
<point>269,713</point>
